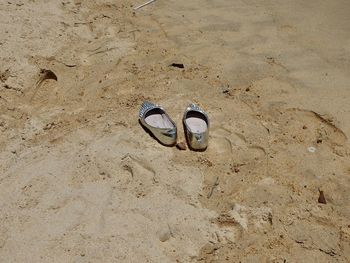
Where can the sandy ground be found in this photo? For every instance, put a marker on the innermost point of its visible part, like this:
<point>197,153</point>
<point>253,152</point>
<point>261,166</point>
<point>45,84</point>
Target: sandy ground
<point>80,180</point>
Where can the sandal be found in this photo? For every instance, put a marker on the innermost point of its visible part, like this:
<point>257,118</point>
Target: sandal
<point>158,123</point>
<point>196,125</point>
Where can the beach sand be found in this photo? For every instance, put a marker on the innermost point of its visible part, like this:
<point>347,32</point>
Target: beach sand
<point>81,181</point>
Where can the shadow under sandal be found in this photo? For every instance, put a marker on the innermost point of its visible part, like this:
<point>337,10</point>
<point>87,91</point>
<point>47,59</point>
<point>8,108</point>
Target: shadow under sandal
<point>154,118</point>
<point>196,124</point>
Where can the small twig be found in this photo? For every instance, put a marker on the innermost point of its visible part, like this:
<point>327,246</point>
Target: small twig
<point>216,183</point>
<point>170,231</point>
<point>147,3</point>
<point>102,51</point>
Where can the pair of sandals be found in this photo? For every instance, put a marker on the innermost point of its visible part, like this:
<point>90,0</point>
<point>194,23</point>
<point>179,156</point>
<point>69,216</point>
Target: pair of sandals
<point>196,125</point>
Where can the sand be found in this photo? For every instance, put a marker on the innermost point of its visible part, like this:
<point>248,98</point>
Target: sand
<point>81,181</point>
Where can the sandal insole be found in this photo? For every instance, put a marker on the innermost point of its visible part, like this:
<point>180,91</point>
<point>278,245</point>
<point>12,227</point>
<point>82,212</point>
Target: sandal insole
<point>159,120</point>
<point>196,123</point>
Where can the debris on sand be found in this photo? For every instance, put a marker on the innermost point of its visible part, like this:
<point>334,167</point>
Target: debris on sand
<point>311,149</point>
<point>322,198</point>
<point>181,146</point>
<point>147,3</point>
<point>47,74</point>
<point>177,65</point>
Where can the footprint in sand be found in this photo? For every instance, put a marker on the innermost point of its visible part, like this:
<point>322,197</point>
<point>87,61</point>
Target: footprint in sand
<point>226,144</point>
<point>319,129</point>
<point>142,176</point>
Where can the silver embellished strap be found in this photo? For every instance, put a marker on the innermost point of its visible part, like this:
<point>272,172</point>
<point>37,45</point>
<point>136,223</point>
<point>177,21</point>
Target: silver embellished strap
<point>145,107</point>
<point>193,106</point>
